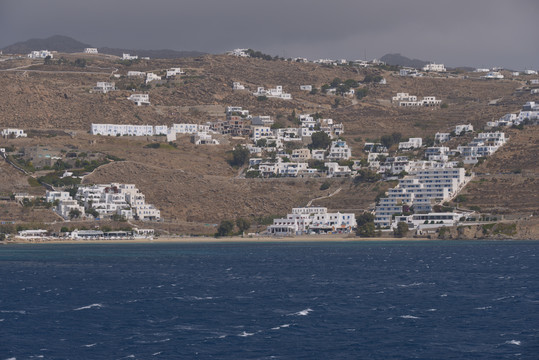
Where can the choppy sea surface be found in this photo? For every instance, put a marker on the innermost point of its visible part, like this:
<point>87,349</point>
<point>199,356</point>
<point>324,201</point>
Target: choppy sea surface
<point>368,300</point>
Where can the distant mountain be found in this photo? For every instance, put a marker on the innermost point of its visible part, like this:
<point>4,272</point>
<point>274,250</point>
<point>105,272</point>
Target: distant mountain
<point>398,59</point>
<point>66,44</point>
<point>54,43</point>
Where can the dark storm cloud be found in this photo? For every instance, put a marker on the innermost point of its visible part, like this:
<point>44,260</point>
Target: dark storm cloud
<point>458,32</point>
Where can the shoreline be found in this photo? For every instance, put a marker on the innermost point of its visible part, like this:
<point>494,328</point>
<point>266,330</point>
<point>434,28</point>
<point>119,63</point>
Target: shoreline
<point>230,240</point>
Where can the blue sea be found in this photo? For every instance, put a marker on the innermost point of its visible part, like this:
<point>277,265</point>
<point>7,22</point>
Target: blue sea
<point>363,300</point>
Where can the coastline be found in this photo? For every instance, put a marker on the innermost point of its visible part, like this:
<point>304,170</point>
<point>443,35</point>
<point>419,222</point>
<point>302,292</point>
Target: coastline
<point>223,240</point>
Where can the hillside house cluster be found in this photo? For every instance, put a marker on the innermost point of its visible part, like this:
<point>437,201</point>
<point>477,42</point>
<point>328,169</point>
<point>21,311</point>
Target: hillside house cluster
<point>310,220</point>
<point>407,100</point>
<point>412,143</point>
<point>485,144</point>
<point>40,54</point>
<point>107,200</point>
<point>16,133</point>
<point>104,87</point>
<point>276,92</point>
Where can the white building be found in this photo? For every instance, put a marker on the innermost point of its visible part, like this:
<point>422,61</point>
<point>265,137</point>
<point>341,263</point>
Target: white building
<point>312,220</point>
<point>136,74</point>
<point>174,72</point>
<point>52,196</point>
<point>127,130</point>
<point>339,150</point>
<point>263,120</point>
<point>17,133</point>
<point>140,99</point>
<point>276,92</point>
<point>40,54</point>
<point>203,138</point>
<point>412,143</point>
<point>104,87</point>
<point>442,137</point>
<point>434,67</point>
<point>152,77</point>
<point>336,170</point>
<point>493,75</point>
<point>239,52</point>
<point>260,132</point>
<point>90,51</point>
<point>306,87</point>
<point>481,70</point>
<point>190,128</point>
<point>459,129</point>
<point>129,57</point>
<point>237,86</point>
<point>530,72</point>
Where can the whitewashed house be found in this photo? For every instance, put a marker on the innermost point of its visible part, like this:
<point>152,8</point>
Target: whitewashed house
<point>434,67</point>
<point>129,57</point>
<point>52,196</point>
<point>136,74</point>
<point>172,72</point>
<point>40,54</point>
<point>306,87</point>
<point>152,77</point>
<point>90,51</point>
<point>530,72</point>
<point>140,99</point>
<point>412,143</point>
<point>460,129</point>
<point>17,133</point>
<point>442,137</point>
<point>339,150</point>
<point>262,120</point>
<point>239,52</point>
<point>276,92</point>
<point>104,87</point>
<point>493,75</point>
<point>237,86</point>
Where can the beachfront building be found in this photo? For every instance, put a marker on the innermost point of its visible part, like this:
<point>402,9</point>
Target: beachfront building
<point>104,87</point>
<point>90,51</point>
<point>140,99</point>
<point>312,220</point>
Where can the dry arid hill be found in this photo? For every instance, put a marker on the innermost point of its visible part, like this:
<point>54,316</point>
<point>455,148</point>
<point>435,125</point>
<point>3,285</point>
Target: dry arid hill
<point>195,187</point>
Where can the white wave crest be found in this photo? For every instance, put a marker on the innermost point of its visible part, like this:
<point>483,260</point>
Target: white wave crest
<point>409,317</point>
<point>281,327</point>
<point>22,312</point>
<point>303,312</point>
<point>90,345</point>
<point>513,342</point>
<point>245,334</point>
<point>410,285</point>
<point>483,308</point>
<point>89,307</point>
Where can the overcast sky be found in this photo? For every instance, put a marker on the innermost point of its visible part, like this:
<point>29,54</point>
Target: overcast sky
<point>481,33</point>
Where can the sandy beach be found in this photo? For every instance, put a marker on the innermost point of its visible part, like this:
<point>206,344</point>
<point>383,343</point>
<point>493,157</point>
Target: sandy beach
<point>222,240</point>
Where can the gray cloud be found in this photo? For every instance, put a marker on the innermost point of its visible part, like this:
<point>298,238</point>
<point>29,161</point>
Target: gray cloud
<point>458,32</point>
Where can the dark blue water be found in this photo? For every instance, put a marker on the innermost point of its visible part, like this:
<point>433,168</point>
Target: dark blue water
<point>411,300</point>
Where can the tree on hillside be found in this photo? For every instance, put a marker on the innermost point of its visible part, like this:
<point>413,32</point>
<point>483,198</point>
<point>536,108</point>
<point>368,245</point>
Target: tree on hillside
<point>243,224</point>
<point>240,156</point>
<point>320,140</point>
<point>401,229</point>
<point>225,228</point>
<point>74,213</point>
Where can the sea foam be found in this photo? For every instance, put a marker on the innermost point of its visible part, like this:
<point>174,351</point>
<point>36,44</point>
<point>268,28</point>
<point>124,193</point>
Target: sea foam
<point>89,307</point>
<point>303,312</point>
